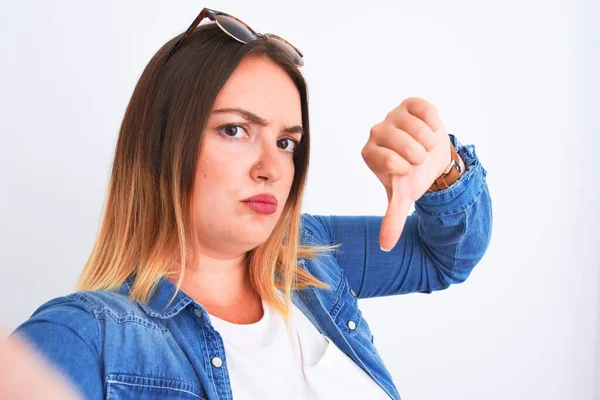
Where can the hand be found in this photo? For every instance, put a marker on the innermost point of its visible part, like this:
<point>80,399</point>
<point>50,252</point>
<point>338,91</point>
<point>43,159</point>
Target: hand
<point>407,151</point>
<point>24,374</point>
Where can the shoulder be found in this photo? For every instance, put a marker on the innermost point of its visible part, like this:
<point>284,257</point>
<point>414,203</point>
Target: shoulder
<point>84,309</point>
<point>80,316</point>
<point>91,302</point>
<point>315,229</point>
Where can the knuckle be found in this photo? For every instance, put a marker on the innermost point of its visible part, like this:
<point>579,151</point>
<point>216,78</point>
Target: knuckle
<point>413,152</point>
<point>429,110</point>
<point>364,152</point>
<point>420,106</point>
<point>409,152</point>
<point>422,134</point>
<point>390,164</point>
<point>419,156</point>
<point>377,131</point>
<point>412,100</point>
<point>374,131</point>
<point>390,116</point>
<point>409,100</point>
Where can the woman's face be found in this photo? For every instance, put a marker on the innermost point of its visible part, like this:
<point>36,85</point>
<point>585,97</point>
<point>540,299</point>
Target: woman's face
<point>264,131</point>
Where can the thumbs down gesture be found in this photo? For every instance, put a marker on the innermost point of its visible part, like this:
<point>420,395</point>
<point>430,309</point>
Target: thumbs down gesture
<point>407,151</point>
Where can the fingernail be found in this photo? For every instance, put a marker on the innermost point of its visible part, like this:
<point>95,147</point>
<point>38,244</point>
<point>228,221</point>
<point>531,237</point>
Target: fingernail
<point>382,249</point>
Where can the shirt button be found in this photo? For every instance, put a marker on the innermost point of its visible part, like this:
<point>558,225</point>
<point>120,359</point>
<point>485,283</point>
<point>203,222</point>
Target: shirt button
<point>352,293</point>
<point>217,362</point>
<point>351,325</point>
<point>198,312</point>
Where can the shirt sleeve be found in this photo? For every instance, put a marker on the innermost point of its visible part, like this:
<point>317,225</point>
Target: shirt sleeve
<point>66,333</point>
<point>442,241</point>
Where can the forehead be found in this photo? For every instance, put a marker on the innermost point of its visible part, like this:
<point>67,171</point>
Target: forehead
<point>262,87</point>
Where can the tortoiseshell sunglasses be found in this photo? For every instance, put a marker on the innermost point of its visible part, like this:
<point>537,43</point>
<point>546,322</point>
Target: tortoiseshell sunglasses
<point>240,32</point>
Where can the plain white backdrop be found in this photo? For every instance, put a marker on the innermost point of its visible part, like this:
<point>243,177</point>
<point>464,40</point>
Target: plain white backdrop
<point>516,78</point>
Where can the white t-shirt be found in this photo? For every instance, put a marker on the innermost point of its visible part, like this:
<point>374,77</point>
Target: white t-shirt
<point>266,361</point>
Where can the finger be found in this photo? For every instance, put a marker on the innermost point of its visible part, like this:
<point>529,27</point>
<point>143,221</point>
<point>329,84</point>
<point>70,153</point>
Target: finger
<point>417,128</point>
<point>383,160</point>
<point>387,135</point>
<point>395,217</point>
<point>425,111</point>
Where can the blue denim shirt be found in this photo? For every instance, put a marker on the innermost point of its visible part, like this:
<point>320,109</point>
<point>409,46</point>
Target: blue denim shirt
<point>114,348</point>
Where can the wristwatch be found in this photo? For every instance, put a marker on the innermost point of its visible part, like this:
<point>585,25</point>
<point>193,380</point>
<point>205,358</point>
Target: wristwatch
<point>450,175</point>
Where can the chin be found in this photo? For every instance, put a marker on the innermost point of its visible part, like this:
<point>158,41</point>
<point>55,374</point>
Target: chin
<point>257,233</point>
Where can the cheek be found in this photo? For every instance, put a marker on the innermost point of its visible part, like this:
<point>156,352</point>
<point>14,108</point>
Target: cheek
<point>214,198</point>
<point>217,179</point>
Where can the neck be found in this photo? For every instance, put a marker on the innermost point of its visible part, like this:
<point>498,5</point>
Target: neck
<point>217,282</point>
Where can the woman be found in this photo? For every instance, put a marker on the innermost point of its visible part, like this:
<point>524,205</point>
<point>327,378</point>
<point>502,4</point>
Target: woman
<point>207,282</point>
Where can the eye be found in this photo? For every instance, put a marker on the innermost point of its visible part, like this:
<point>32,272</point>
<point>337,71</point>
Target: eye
<point>230,130</point>
<point>292,144</point>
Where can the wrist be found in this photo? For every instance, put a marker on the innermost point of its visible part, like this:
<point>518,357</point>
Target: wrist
<point>452,175</point>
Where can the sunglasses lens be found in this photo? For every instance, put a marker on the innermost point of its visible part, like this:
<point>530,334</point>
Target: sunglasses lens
<point>234,28</point>
<point>296,57</point>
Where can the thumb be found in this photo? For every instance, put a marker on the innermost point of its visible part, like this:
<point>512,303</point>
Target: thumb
<point>395,216</point>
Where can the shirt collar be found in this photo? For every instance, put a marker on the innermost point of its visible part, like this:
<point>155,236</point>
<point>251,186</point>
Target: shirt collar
<point>158,304</point>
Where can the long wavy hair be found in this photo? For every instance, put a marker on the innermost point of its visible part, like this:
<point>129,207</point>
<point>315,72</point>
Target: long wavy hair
<point>147,227</point>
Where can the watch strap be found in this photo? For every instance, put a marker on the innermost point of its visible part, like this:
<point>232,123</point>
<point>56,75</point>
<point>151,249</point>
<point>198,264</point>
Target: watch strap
<point>451,173</point>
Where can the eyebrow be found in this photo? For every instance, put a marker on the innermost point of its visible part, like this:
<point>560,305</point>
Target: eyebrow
<point>256,119</point>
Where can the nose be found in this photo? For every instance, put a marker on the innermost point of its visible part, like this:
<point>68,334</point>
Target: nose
<point>271,162</point>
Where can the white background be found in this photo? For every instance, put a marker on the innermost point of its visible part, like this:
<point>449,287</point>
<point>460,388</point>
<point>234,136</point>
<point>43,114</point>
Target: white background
<point>519,79</point>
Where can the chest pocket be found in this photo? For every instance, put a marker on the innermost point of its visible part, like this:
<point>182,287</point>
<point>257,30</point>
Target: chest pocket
<point>123,386</point>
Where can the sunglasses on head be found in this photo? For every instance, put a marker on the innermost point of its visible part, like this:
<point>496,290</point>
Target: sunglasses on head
<point>240,32</point>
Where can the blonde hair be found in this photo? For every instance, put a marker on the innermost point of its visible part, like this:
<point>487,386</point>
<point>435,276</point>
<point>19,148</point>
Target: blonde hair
<point>147,226</point>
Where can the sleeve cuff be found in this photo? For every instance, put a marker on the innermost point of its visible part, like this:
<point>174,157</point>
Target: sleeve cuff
<point>461,194</point>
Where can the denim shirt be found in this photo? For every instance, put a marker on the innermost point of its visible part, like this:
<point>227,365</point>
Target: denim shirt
<point>115,348</point>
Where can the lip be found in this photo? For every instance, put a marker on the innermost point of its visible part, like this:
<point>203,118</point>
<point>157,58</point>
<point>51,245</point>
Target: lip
<point>262,203</point>
<point>262,198</point>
